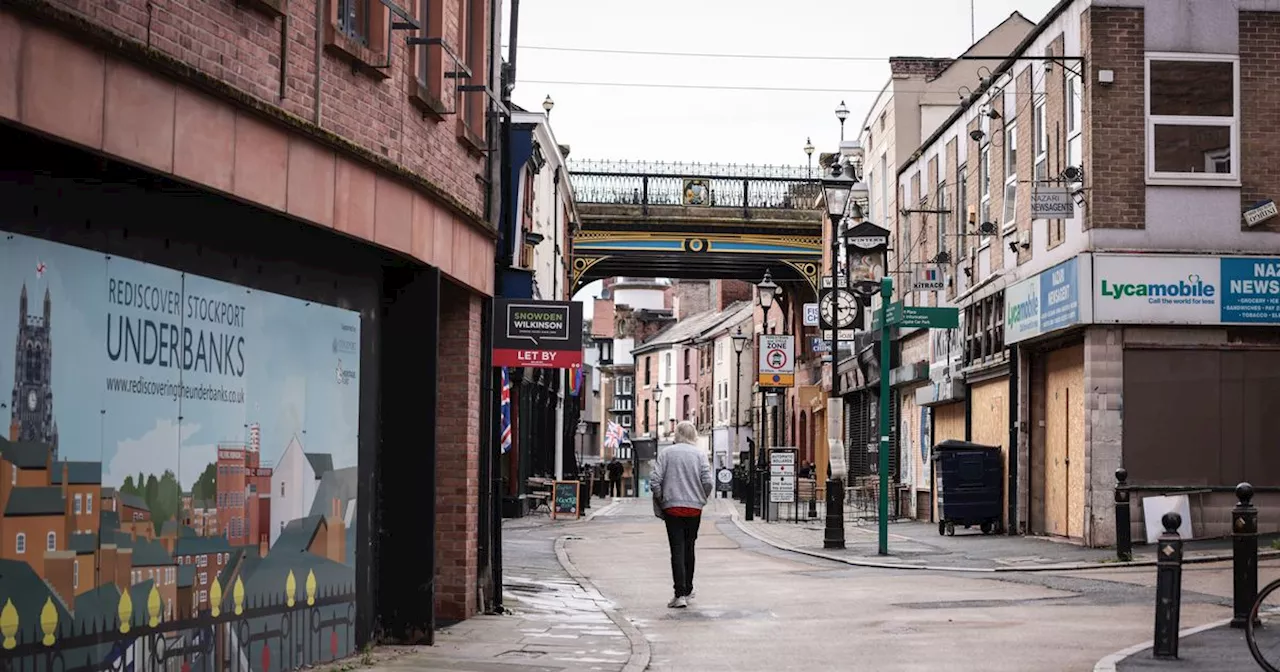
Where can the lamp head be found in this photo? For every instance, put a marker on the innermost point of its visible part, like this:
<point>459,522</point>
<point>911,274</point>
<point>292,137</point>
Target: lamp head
<point>842,112</point>
<point>808,146</point>
<point>768,289</point>
<point>548,104</point>
<point>739,340</point>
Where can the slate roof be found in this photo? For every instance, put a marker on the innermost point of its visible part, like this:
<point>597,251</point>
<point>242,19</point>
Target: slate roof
<point>18,582</point>
<point>108,520</point>
<point>687,329</point>
<point>133,501</point>
<point>146,553</point>
<point>25,454</point>
<point>78,473</point>
<point>169,528</point>
<point>321,463</point>
<point>733,314</point>
<point>297,535</point>
<point>82,542</point>
<point>338,484</point>
<point>201,545</point>
<point>186,576</point>
<point>35,502</point>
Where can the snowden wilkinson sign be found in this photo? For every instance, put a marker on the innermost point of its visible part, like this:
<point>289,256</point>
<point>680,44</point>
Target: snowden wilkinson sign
<point>537,334</point>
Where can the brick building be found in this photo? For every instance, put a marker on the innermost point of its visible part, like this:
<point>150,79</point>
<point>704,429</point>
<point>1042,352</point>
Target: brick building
<point>307,152</point>
<point>1130,319</point>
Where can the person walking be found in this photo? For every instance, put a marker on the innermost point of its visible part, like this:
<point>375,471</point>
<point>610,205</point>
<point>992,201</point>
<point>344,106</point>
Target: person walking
<point>615,478</point>
<point>681,483</point>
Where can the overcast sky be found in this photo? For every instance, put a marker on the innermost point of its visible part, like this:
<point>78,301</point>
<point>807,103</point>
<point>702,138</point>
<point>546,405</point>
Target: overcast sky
<point>697,123</point>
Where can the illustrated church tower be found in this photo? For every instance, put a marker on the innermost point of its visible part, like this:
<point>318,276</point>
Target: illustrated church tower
<point>32,403</point>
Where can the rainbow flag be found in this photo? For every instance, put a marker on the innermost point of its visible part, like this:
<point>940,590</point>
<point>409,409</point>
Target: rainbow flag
<point>575,382</point>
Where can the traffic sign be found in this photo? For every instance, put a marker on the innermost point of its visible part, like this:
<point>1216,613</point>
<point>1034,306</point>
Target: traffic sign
<point>922,317</point>
<point>777,360</point>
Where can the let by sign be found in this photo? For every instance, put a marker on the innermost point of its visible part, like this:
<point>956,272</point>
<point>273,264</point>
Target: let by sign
<point>537,334</point>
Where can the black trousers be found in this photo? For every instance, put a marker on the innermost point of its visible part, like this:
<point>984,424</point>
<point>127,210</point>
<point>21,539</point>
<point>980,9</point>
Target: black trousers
<point>682,533</point>
<point>616,486</point>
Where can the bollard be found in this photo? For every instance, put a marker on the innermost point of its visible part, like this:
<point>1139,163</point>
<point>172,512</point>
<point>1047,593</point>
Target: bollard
<point>833,535</point>
<point>813,506</point>
<point>1124,533</point>
<point>1168,588</point>
<point>1244,555</point>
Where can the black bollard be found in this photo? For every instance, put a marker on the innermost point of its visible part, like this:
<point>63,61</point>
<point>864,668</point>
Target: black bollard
<point>813,507</point>
<point>1168,588</point>
<point>584,493</point>
<point>1244,555</point>
<point>833,536</point>
<point>1124,533</point>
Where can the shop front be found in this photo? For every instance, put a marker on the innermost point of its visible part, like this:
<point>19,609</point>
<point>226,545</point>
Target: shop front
<point>1044,322</point>
<point>988,374</point>
<point>913,425</point>
<point>1189,344</point>
<point>942,400</point>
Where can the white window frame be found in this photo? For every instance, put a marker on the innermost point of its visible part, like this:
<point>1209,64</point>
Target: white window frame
<point>984,191</point>
<point>1009,215</point>
<point>940,193</point>
<point>20,541</point>
<point>51,541</point>
<point>78,501</point>
<point>88,503</point>
<point>1040,140</point>
<point>1231,178</point>
<point>1075,120</point>
<point>75,575</point>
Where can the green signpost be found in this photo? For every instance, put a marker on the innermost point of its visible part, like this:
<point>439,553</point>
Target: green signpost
<point>906,317</point>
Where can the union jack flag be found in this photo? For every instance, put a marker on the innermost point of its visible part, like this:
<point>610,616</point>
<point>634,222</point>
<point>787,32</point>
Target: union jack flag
<point>614,435</point>
<point>506,411</point>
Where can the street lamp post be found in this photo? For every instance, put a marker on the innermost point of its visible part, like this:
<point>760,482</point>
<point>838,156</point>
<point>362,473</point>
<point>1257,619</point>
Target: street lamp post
<point>548,104</point>
<point>842,113</point>
<point>834,305</point>
<point>808,150</point>
<point>767,290</point>
<point>739,343</point>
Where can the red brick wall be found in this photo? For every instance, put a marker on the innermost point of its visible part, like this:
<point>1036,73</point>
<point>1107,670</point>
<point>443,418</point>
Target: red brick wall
<point>458,454</point>
<point>1260,111</point>
<point>1055,120</point>
<point>241,46</point>
<point>1114,149</point>
<point>1026,160</point>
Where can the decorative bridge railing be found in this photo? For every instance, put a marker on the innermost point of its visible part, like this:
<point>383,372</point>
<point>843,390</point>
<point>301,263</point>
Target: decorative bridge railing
<point>694,185</point>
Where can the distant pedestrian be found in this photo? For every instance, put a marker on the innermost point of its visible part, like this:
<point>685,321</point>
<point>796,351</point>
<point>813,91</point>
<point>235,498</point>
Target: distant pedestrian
<point>681,483</point>
<point>615,478</point>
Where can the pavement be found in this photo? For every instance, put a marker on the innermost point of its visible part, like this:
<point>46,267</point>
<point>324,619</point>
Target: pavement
<point>591,595</point>
<point>917,545</point>
<point>556,622</point>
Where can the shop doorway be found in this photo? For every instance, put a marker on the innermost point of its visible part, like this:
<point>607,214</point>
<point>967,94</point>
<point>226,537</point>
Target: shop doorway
<point>1064,442</point>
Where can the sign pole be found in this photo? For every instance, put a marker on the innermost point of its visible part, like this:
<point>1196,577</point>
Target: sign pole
<point>886,295</point>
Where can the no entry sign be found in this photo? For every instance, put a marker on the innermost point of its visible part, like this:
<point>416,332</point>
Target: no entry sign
<point>537,334</point>
<point>777,360</point>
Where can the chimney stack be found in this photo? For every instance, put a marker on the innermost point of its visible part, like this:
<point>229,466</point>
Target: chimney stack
<point>66,478</point>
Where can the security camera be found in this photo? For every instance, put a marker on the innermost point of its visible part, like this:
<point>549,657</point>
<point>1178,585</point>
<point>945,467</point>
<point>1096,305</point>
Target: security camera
<point>977,134</point>
<point>1013,246</point>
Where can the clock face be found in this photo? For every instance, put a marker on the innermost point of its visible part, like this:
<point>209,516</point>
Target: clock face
<point>844,304</point>
<point>31,400</point>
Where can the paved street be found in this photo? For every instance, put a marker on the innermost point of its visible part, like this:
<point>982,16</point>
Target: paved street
<point>601,605</point>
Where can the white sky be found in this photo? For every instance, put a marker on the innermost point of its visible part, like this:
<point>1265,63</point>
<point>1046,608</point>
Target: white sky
<point>727,126</point>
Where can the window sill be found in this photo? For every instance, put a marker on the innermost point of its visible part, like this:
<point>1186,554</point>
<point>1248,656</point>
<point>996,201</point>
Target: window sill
<point>472,141</point>
<point>272,8</point>
<point>423,99</point>
<point>1232,183</point>
<point>362,58</point>
<point>1009,228</point>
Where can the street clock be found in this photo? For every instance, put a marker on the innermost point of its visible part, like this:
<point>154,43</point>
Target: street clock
<point>842,301</point>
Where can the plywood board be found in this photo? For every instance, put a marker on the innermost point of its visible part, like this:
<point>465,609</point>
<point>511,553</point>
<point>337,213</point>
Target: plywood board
<point>1064,442</point>
<point>948,425</point>
<point>990,403</point>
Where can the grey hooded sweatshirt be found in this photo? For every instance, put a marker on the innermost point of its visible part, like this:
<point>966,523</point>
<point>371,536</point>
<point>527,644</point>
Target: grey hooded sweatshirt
<point>681,477</point>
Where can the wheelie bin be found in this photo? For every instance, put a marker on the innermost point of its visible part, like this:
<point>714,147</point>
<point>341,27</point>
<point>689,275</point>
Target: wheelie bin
<point>969,486</point>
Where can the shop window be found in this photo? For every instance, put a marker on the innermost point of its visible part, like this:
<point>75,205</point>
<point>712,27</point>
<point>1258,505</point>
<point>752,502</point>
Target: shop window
<point>1193,118</point>
<point>984,331</point>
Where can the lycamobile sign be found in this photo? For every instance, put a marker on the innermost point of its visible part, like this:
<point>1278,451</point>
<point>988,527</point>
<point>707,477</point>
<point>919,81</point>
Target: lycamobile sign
<point>1045,302</point>
<point>1192,290</point>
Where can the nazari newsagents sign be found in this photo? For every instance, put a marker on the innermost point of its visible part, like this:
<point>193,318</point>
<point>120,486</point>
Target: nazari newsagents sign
<point>537,334</point>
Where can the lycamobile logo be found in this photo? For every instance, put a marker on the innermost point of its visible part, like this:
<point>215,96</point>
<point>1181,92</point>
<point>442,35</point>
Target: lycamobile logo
<point>1192,286</point>
<point>1023,310</point>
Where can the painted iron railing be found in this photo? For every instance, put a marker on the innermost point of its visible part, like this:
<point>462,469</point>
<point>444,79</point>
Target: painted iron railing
<point>695,185</point>
<point>286,630</point>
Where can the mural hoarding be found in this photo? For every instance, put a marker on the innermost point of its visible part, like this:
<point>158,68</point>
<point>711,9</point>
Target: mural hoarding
<point>179,467</point>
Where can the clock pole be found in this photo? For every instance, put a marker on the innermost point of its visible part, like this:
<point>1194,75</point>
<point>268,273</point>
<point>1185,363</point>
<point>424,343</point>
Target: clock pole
<point>833,536</point>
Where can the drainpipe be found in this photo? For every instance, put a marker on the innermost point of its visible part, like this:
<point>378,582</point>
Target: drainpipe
<point>1013,440</point>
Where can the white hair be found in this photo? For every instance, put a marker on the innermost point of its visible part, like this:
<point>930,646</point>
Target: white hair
<point>686,433</point>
